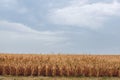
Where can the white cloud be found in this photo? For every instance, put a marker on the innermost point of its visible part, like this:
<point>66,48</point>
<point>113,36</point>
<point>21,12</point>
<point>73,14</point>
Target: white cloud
<point>8,3</point>
<point>13,5</point>
<point>16,31</point>
<point>84,14</point>
<point>78,2</point>
<point>15,27</point>
<point>17,37</point>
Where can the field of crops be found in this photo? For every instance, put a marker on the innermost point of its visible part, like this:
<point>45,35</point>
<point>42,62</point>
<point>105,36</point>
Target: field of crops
<point>60,65</point>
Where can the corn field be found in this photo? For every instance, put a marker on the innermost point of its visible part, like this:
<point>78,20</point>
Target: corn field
<point>60,65</point>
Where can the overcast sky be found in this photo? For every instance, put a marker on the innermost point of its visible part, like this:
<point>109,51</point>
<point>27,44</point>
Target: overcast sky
<point>60,26</point>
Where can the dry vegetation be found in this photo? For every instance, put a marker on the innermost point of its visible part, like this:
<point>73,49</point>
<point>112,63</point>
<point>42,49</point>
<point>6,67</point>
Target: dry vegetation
<point>59,65</point>
<point>55,78</point>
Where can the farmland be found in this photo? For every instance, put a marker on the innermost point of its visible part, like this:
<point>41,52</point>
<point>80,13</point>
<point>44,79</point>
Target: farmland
<point>55,78</point>
<point>60,65</point>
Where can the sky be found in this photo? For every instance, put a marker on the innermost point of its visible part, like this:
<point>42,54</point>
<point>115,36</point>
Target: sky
<point>60,26</point>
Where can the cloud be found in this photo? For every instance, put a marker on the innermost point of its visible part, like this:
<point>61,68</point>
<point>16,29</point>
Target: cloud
<point>15,27</point>
<point>13,5</point>
<point>84,14</point>
<point>8,3</point>
<point>17,37</point>
<point>18,31</point>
